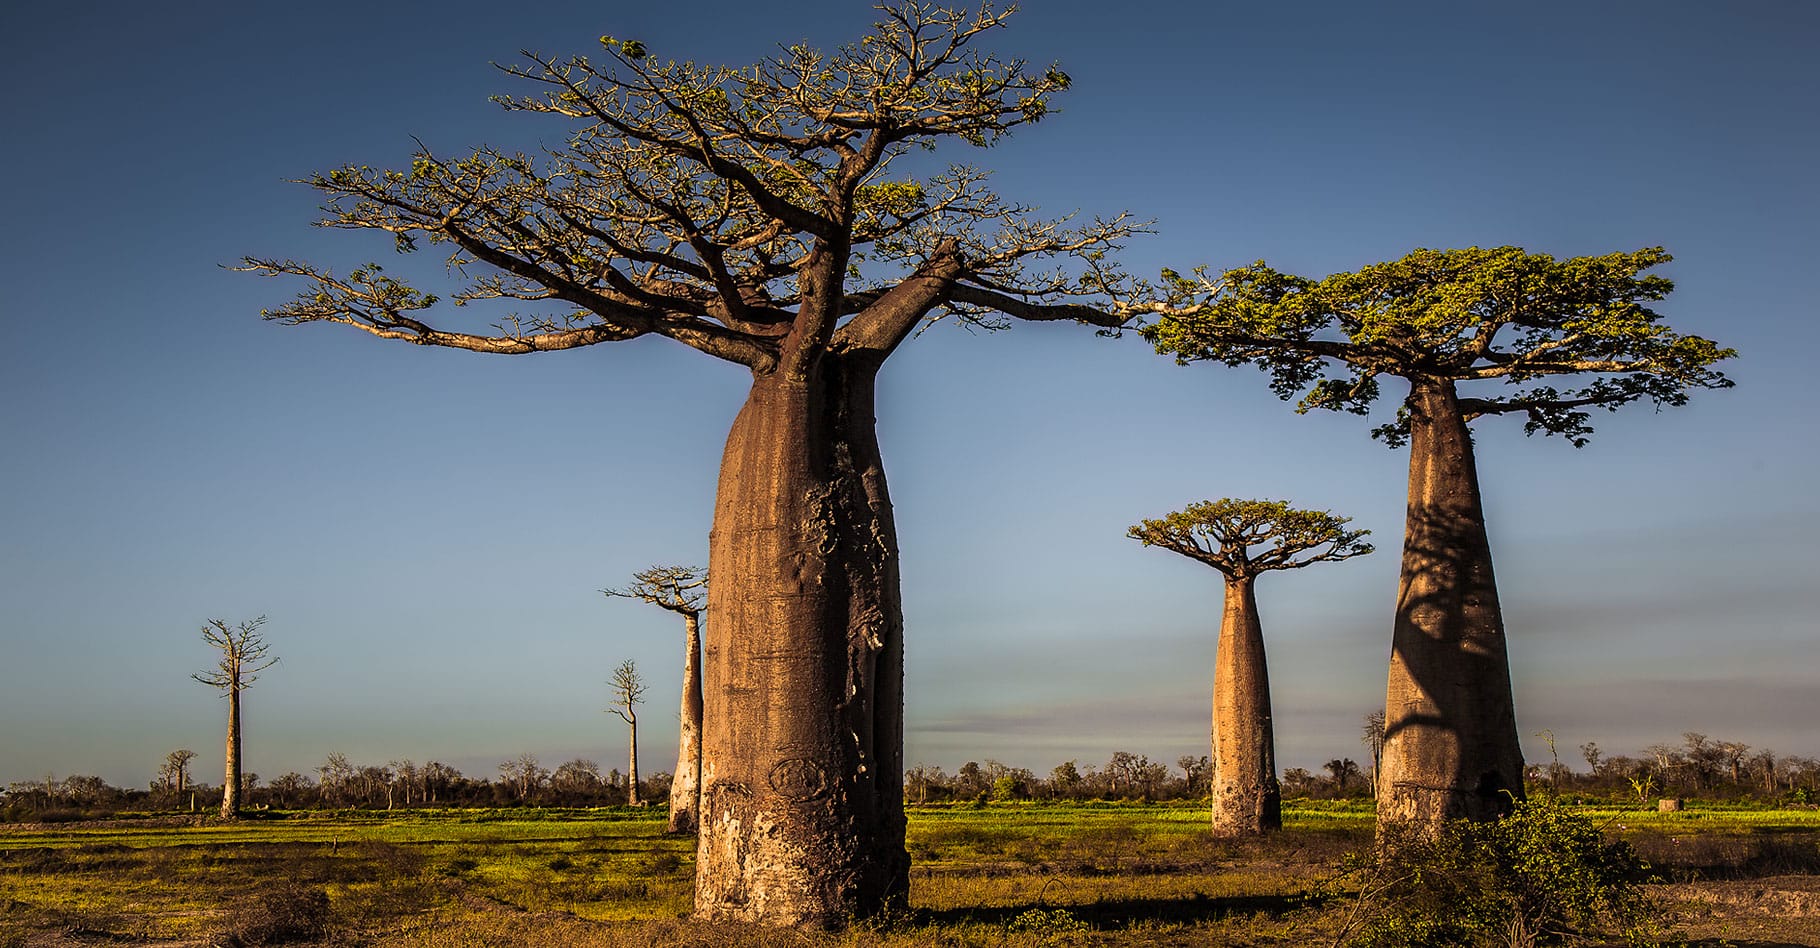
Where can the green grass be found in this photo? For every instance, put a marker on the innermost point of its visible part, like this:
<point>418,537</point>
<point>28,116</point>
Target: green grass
<point>1150,874</point>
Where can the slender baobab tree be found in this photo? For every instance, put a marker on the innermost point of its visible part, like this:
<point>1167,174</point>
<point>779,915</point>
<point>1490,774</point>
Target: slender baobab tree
<point>1244,539</point>
<point>759,215</point>
<point>1371,734</point>
<point>680,589</point>
<point>629,690</point>
<point>243,657</point>
<point>1437,319</point>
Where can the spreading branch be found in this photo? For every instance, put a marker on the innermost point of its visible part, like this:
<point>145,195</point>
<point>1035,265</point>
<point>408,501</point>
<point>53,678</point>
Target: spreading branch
<point>680,589</point>
<point>736,210</point>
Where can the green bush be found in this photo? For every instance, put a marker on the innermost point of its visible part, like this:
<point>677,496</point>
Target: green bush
<point>1540,876</point>
<point>1049,927</point>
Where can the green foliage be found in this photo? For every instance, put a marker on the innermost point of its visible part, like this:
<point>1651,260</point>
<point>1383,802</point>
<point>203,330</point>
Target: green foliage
<point>1496,314</point>
<point>1542,875</point>
<point>1049,926</point>
<point>1244,537</point>
<point>685,199</point>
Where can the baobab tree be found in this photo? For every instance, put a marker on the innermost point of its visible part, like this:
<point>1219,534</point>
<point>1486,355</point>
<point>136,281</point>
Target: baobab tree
<point>243,657</point>
<point>1371,734</point>
<point>1436,319</point>
<point>174,773</point>
<point>758,215</point>
<point>682,590</point>
<point>1244,539</point>
<point>629,690</point>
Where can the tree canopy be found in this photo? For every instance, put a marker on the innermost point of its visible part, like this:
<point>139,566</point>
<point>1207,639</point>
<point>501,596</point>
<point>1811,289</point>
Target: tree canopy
<point>727,207</point>
<point>243,654</point>
<point>681,589</point>
<point>1495,315</point>
<point>1242,538</point>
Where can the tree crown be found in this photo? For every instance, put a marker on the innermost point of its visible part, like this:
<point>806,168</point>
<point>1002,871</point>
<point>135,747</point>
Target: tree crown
<point>1446,316</point>
<point>243,654</point>
<point>1242,538</point>
<point>728,208</point>
<point>681,589</point>
<point>628,689</point>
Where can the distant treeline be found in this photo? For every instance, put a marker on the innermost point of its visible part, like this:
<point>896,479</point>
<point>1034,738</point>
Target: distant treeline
<point>1698,767</point>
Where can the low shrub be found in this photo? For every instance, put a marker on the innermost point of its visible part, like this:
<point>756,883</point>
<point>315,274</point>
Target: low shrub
<point>288,913</point>
<point>1540,876</point>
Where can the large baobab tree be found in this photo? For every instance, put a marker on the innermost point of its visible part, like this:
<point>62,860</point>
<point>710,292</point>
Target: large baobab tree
<point>758,215</point>
<point>629,690</point>
<point>243,656</point>
<point>680,589</point>
<point>1436,319</point>
<point>1244,539</point>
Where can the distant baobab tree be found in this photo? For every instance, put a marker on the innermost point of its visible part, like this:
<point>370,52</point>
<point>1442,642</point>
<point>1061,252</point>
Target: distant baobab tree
<point>1371,734</point>
<point>174,773</point>
<point>751,213</point>
<point>1436,319</point>
<point>629,690</point>
<point>1342,770</point>
<point>243,657</point>
<point>682,590</point>
<point>1244,539</point>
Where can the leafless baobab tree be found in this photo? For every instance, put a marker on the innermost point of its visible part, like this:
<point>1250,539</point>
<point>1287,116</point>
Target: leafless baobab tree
<point>243,657</point>
<point>629,690</point>
<point>1244,539</point>
<point>682,590</point>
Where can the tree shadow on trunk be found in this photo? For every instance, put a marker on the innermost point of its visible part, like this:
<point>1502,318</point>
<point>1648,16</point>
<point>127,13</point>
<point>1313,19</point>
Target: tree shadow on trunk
<point>1451,746</point>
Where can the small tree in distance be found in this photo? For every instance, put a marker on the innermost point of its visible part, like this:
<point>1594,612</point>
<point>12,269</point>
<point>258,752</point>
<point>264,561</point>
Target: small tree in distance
<point>628,690</point>
<point>243,657</point>
<point>1371,734</point>
<point>1243,539</point>
<point>682,590</point>
<point>1435,319</point>
<point>174,773</point>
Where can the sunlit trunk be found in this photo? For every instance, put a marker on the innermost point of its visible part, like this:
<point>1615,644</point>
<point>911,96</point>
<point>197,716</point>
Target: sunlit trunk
<point>632,765</point>
<point>802,817</point>
<point>1450,739</point>
<point>230,790</point>
<point>1246,799</point>
<point>685,789</point>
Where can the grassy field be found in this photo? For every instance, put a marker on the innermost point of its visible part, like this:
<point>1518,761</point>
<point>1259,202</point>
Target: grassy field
<point>1001,875</point>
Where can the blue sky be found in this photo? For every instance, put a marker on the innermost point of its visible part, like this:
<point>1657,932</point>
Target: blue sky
<point>427,529</point>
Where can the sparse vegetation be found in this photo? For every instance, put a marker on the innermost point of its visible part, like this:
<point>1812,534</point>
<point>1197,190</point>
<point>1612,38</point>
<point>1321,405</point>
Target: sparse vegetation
<point>1011,874</point>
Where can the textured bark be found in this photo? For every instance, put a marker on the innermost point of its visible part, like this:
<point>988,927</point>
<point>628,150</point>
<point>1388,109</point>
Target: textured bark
<point>230,786</point>
<point>1246,799</point>
<point>685,789</point>
<point>802,780</point>
<point>1450,741</point>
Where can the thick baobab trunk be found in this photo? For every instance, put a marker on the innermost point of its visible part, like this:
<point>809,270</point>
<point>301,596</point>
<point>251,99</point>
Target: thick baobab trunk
<point>1246,799</point>
<point>230,785</point>
<point>685,789</point>
<point>1450,733</point>
<point>802,818</point>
